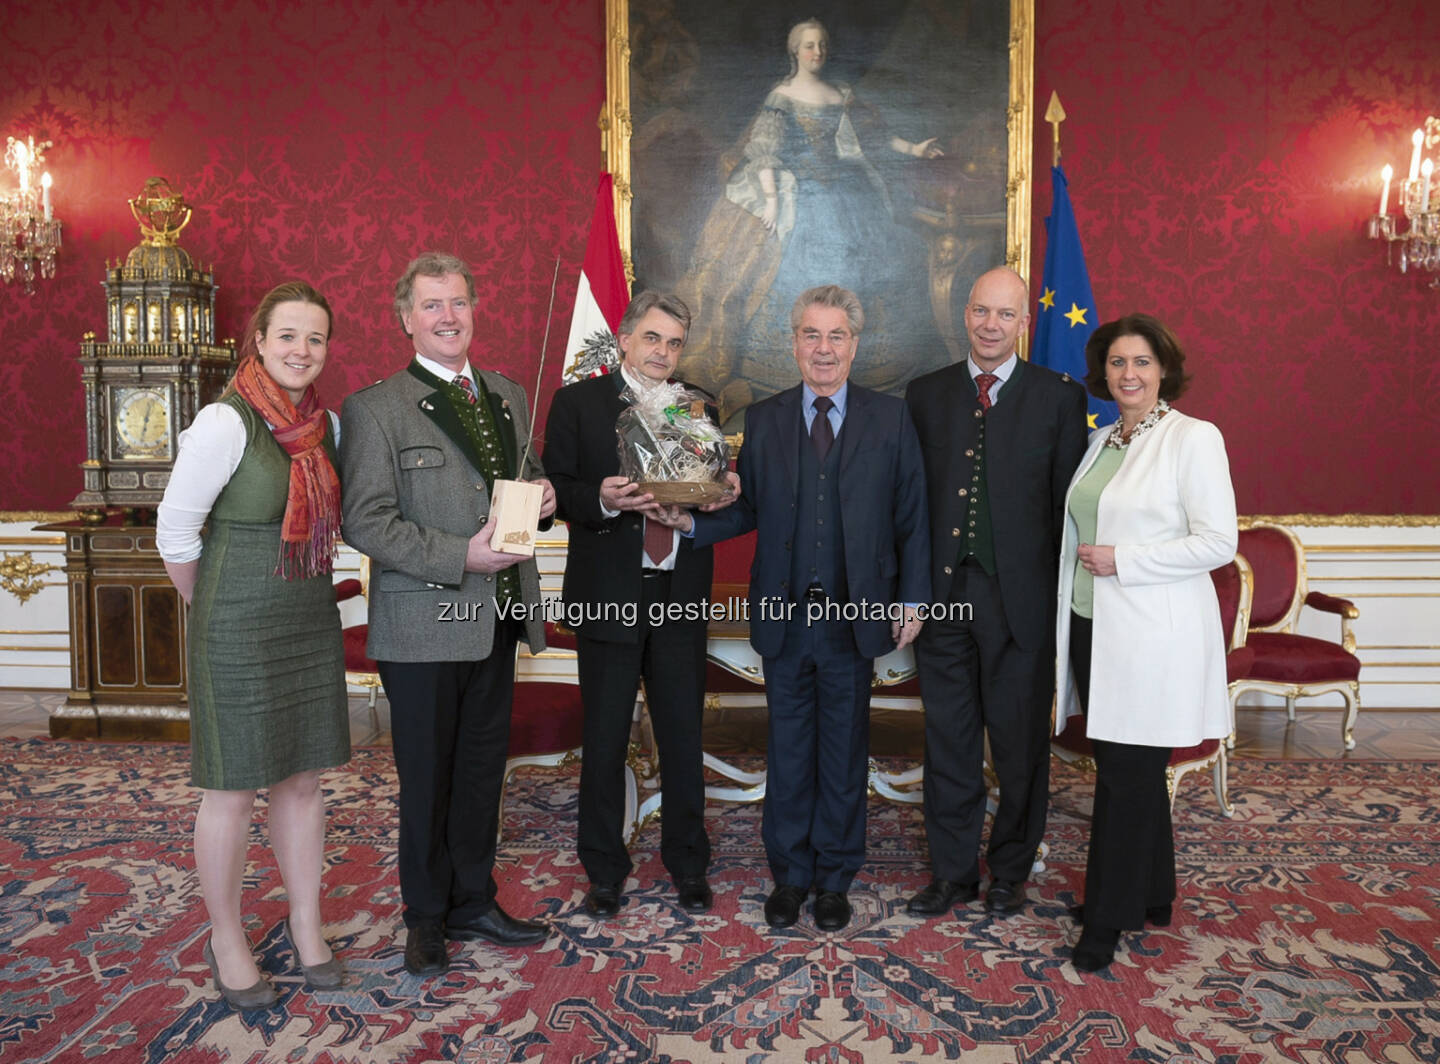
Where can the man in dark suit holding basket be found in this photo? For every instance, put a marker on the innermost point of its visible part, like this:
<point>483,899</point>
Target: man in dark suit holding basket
<point>628,580</point>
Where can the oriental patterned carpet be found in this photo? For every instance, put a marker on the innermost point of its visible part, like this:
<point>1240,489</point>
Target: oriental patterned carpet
<point>1308,931</point>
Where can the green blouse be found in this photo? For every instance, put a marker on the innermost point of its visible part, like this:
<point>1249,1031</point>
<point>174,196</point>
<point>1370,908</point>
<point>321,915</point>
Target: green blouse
<point>1085,509</point>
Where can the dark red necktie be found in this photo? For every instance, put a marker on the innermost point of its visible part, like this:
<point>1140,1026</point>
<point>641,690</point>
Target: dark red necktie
<point>822,433</point>
<point>985,381</point>
<point>463,383</point>
<point>658,541</point>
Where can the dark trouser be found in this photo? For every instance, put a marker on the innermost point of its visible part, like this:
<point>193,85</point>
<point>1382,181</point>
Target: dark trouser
<point>975,678</point>
<point>1131,864</point>
<point>451,726</point>
<point>671,658</point>
<point>818,694</point>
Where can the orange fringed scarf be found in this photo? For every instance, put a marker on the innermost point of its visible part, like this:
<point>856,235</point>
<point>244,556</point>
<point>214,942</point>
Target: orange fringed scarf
<point>312,505</point>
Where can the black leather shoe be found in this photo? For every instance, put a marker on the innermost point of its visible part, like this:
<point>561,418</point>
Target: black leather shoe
<point>941,896</point>
<point>832,910</point>
<point>498,928</point>
<point>782,908</point>
<point>1096,949</point>
<point>695,894</point>
<point>425,952</point>
<point>602,900</point>
<point>1004,897</point>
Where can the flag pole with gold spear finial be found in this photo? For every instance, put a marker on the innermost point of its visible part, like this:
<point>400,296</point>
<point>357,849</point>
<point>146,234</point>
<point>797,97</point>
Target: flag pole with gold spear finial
<point>1055,114</point>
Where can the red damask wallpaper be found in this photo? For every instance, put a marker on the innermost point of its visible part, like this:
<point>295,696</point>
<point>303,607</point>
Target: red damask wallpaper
<point>1222,157</point>
<point>329,141</point>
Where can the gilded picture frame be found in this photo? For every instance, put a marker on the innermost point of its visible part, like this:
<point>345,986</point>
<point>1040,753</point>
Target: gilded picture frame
<point>893,157</point>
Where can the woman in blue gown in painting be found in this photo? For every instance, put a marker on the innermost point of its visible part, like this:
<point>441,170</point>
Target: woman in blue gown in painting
<point>803,205</point>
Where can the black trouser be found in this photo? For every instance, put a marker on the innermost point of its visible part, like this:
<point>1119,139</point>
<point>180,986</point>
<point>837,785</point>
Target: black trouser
<point>975,678</point>
<point>450,721</point>
<point>1131,864</point>
<point>670,656</point>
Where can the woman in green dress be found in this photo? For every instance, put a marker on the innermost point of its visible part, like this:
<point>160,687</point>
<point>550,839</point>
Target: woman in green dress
<point>268,709</point>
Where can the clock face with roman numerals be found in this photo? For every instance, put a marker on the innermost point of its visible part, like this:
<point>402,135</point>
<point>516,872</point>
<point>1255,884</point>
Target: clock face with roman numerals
<point>140,423</point>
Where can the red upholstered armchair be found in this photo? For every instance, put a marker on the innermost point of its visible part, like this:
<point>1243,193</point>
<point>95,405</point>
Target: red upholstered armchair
<point>1233,586</point>
<point>359,669</point>
<point>547,718</point>
<point>1287,663</point>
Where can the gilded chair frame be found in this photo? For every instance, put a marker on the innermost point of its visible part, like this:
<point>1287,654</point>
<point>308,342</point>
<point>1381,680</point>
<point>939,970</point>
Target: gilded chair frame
<point>368,681</point>
<point>1218,760</point>
<point>1349,690</point>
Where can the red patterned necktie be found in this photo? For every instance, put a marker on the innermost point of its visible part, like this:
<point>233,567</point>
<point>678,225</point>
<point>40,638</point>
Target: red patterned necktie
<point>658,540</point>
<point>985,381</point>
<point>463,383</point>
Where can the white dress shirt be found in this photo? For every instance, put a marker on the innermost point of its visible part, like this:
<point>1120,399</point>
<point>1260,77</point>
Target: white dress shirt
<point>1001,371</point>
<point>666,564</point>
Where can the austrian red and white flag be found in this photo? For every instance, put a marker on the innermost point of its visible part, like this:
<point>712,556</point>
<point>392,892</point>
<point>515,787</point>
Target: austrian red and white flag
<point>601,297</point>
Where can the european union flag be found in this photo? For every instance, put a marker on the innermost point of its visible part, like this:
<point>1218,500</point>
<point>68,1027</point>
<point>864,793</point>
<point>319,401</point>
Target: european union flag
<point>1066,313</point>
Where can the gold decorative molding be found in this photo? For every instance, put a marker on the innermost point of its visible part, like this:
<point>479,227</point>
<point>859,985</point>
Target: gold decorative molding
<point>615,123</point>
<point>1377,548</point>
<point>47,516</point>
<point>1344,520</point>
<point>1021,126</point>
<point>20,574</point>
<point>1392,594</point>
<point>1366,577</point>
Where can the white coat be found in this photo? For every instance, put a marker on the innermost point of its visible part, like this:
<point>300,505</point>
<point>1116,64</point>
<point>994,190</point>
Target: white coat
<point>1157,669</point>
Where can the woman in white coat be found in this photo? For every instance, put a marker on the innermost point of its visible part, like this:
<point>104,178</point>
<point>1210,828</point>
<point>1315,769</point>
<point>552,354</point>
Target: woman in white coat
<point>1149,513</point>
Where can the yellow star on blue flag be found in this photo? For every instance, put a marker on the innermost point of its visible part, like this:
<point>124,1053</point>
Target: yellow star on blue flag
<point>1066,280</point>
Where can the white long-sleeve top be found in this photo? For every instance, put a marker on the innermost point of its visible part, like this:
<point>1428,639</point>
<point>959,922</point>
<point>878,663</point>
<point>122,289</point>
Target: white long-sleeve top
<point>210,452</point>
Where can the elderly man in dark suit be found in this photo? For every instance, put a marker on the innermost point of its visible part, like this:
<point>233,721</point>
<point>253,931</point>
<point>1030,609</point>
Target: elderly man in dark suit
<point>1001,438</point>
<point>833,481</point>
<point>619,557</point>
<point>422,452</point>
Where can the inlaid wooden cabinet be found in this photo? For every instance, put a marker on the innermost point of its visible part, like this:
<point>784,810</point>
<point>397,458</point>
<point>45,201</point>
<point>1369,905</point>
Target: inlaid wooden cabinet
<point>127,636</point>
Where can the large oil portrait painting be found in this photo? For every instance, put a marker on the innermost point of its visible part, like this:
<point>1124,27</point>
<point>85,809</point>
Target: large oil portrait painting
<point>762,148</point>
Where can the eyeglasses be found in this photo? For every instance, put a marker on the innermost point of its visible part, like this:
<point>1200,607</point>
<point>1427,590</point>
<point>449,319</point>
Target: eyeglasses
<point>836,338</point>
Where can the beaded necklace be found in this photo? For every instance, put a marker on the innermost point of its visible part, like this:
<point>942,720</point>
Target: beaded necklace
<point>1120,440</point>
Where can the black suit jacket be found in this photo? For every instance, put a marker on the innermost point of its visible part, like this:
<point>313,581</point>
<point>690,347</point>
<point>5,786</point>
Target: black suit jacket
<point>1034,439</point>
<point>604,560</point>
<point>882,511</point>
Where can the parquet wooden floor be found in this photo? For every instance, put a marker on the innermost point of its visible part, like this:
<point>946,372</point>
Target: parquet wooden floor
<point>1381,734</point>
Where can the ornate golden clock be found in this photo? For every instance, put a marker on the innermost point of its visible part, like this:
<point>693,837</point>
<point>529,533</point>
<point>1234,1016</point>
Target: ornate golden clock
<point>140,423</point>
<point>160,365</point>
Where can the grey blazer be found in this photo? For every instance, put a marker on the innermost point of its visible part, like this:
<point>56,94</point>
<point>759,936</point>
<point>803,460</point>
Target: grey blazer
<point>412,498</point>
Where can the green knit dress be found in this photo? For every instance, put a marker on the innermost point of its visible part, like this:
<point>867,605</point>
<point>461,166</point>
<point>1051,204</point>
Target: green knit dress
<point>265,654</point>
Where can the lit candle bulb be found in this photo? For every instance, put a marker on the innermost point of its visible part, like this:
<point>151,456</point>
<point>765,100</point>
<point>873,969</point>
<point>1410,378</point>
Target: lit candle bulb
<point>45,183</point>
<point>1387,174</point>
<point>22,164</point>
<point>1425,171</point>
<point>1417,139</point>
